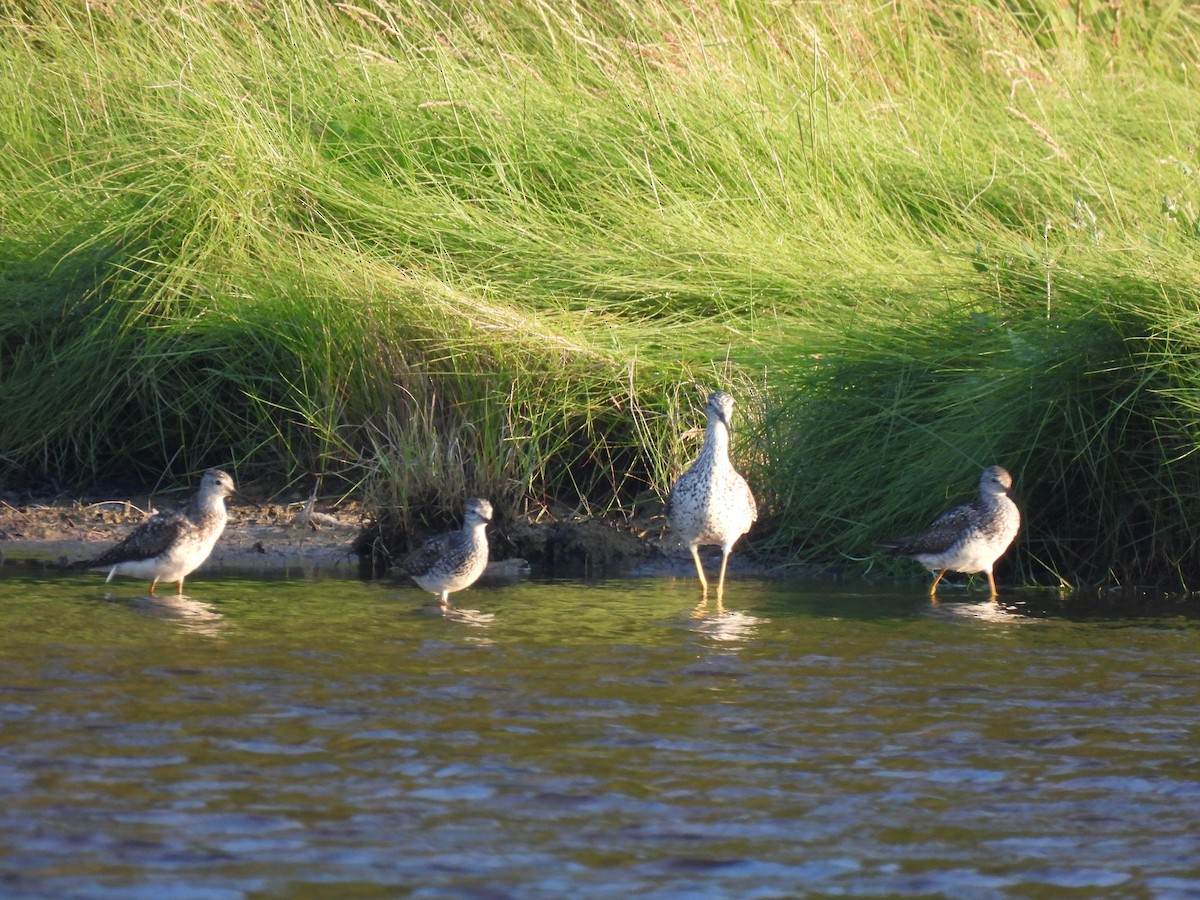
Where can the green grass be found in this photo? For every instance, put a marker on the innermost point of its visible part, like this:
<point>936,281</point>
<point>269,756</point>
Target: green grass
<point>433,250</point>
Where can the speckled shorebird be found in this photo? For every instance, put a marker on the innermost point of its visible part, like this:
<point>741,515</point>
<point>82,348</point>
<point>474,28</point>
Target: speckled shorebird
<point>452,561</point>
<point>968,538</point>
<point>711,503</point>
<point>171,545</point>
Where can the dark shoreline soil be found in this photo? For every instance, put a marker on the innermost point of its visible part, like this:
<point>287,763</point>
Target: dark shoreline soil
<point>308,538</point>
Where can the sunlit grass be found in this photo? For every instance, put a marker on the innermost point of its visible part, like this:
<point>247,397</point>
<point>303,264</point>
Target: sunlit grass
<point>435,250</point>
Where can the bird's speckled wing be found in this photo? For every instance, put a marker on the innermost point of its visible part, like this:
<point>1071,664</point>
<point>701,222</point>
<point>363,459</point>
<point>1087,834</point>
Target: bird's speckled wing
<point>941,534</point>
<point>421,560</point>
<point>682,485</point>
<point>149,539</point>
<point>748,498</point>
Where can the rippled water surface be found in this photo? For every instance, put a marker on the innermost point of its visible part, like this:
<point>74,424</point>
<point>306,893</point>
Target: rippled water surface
<point>329,738</point>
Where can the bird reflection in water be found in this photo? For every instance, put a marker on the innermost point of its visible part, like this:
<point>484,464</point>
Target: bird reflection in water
<point>473,617</point>
<point>976,611</point>
<point>726,626</point>
<point>186,613</point>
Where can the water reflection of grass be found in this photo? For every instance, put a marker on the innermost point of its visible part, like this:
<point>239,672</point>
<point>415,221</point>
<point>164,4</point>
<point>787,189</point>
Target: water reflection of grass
<point>486,252</point>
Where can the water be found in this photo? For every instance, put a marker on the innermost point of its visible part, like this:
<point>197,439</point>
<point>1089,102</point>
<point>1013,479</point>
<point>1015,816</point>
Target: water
<point>329,739</point>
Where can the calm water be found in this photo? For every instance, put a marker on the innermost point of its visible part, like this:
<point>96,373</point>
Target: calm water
<point>329,739</point>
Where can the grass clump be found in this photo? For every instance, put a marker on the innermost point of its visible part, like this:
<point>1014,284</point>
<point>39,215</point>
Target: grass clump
<point>1089,409</point>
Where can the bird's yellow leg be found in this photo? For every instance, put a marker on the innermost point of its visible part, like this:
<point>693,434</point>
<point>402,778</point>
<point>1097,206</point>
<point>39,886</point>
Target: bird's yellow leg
<point>700,572</point>
<point>992,582</point>
<point>721,582</point>
<point>153,582</point>
<point>933,587</point>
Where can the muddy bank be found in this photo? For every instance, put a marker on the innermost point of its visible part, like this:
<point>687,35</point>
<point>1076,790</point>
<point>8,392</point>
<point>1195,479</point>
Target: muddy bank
<point>295,538</point>
<point>308,538</point>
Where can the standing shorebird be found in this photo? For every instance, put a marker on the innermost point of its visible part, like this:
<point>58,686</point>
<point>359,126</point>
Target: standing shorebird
<point>452,561</point>
<point>171,545</point>
<point>968,538</point>
<point>711,503</point>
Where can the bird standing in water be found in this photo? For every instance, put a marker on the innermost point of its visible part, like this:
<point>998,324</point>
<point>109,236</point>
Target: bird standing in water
<point>967,538</point>
<point>170,545</point>
<point>452,561</point>
<point>711,503</point>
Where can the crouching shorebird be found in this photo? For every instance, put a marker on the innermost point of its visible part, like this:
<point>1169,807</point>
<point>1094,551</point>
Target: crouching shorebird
<point>170,545</point>
<point>452,561</point>
<point>711,503</point>
<point>968,538</point>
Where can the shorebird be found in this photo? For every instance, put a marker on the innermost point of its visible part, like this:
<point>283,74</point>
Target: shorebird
<point>967,538</point>
<point>171,545</point>
<point>452,561</point>
<point>711,503</point>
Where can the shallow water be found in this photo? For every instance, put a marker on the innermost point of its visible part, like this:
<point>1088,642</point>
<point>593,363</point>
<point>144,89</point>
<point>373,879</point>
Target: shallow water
<point>330,738</point>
